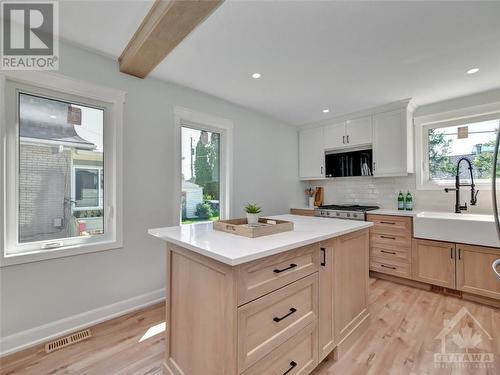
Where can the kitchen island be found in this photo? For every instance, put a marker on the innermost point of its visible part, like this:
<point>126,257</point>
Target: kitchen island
<point>277,304</point>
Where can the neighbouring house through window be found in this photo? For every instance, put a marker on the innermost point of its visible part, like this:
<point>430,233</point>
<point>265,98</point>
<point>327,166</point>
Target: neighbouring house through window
<point>201,187</point>
<point>58,198</point>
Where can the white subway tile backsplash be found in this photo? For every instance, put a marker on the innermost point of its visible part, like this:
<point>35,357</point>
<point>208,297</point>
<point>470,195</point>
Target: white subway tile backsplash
<point>384,191</point>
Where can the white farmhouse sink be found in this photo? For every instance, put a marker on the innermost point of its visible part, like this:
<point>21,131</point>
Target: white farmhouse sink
<point>461,228</point>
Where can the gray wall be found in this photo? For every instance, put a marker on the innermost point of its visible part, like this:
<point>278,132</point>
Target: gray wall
<point>265,171</point>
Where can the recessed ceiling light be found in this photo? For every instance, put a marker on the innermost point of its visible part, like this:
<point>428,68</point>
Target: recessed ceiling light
<point>256,75</point>
<point>473,70</point>
<point>53,116</point>
<point>326,110</point>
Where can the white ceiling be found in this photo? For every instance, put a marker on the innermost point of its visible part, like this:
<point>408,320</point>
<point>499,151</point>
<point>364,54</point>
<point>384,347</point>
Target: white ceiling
<point>105,27</point>
<point>345,56</point>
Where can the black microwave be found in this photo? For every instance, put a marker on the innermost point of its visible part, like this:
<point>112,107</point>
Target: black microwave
<point>349,164</point>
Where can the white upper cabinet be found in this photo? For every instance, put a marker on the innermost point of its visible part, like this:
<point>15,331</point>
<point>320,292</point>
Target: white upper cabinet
<point>334,136</point>
<point>350,133</point>
<point>392,143</point>
<point>311,154</point>
<point>359,131</point>
<point>388,130</point>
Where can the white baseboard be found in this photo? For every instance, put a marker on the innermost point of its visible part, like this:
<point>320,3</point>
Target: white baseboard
<point>37,335</point>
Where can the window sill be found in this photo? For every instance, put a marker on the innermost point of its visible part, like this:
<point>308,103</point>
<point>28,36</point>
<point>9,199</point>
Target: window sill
<point>68,251</point>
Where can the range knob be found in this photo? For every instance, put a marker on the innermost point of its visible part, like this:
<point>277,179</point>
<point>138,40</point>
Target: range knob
<point>354,215</point>
<point>348,214</point>
<point>328,214</point>
<point>338,213</point>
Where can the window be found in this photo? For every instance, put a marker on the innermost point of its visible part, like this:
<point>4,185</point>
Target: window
<point>59,200</point>
<point>88,184</point>
<point>204,160</point>
<point>474,141</point>
<point>446,138</point>
<point>200,175</point>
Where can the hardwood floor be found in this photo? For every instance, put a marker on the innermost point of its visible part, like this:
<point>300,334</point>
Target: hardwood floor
<point>400,340</point>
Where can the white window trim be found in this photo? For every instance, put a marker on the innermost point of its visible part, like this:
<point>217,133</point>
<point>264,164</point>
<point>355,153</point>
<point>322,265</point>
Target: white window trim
<point>73,186</point>
<point>114,100</point>
<point>457,117</point>
<point>212,124</point>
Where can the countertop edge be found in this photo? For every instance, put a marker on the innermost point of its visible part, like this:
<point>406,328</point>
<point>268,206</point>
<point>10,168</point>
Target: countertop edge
<point>390,212</point>
<point>263,254</point>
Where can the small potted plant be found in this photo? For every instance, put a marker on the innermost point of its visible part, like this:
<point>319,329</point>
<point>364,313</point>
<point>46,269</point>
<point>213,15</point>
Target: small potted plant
<point>253,212</point>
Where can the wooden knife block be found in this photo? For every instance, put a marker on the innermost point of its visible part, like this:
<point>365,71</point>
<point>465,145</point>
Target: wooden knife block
<point>318,197</point>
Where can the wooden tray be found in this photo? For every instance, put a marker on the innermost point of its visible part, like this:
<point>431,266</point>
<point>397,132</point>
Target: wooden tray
<point>265,227</point>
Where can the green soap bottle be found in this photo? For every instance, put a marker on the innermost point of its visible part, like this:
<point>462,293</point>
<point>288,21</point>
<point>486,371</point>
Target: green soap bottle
<point>401,201</point>
<point>409,201</point>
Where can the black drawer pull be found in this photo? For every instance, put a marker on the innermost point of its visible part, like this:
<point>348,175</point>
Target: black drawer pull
<point>293,265</point>
<point>392,268</point>
<point>323,262</point>
<point>388,237</point>
<point>292,365</point>
<point>387,222</point>
<point>388,252</point>
<point>292,310</point>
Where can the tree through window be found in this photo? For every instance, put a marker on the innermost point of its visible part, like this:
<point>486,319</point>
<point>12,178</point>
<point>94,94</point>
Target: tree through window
<point>474,141</point>
<point>200,175</point>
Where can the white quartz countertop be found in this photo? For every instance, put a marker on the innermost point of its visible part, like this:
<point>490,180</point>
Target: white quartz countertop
<point>380,211</point>
<point>232,249</point>
<point>386,211</point>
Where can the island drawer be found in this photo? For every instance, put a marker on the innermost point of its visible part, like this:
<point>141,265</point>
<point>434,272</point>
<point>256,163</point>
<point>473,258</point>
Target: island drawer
<point>390,267</point>
<point>268,322</point>
<point>395,253</point>
<point>297,355</point>
<point>391,224</point>
<point>263,276</point>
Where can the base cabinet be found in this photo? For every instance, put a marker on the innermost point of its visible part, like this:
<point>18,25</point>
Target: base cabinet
<point>456,266</point>
<point>467,268</point>
<point>277,315</point>
<point>433,262</point>
<point>474,273</point>
<point>343,288</point>
<point>390,245</point>
<point>326,331</point>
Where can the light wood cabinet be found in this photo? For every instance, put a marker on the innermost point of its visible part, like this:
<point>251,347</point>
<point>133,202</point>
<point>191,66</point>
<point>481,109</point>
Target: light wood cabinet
<point>343,291</point>
<point>298,356</point>
<point>265,275</point>
<point>433,262</point>
<point>393,251</point>
<point>302,211</point>
<point>350,288</point>
<point>201,315</point>
<point>390,244</point>
<point>326,332</point>
<point>311,154</point>
<point>248,319</point>
<point>392,144</point>
<point>268,322</point>
<point>474,273</point>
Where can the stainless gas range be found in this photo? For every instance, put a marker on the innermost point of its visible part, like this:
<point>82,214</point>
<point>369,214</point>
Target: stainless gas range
<point>347,211</point>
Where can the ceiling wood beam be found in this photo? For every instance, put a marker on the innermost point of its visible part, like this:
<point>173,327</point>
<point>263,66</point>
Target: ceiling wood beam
<point>164,27</point>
